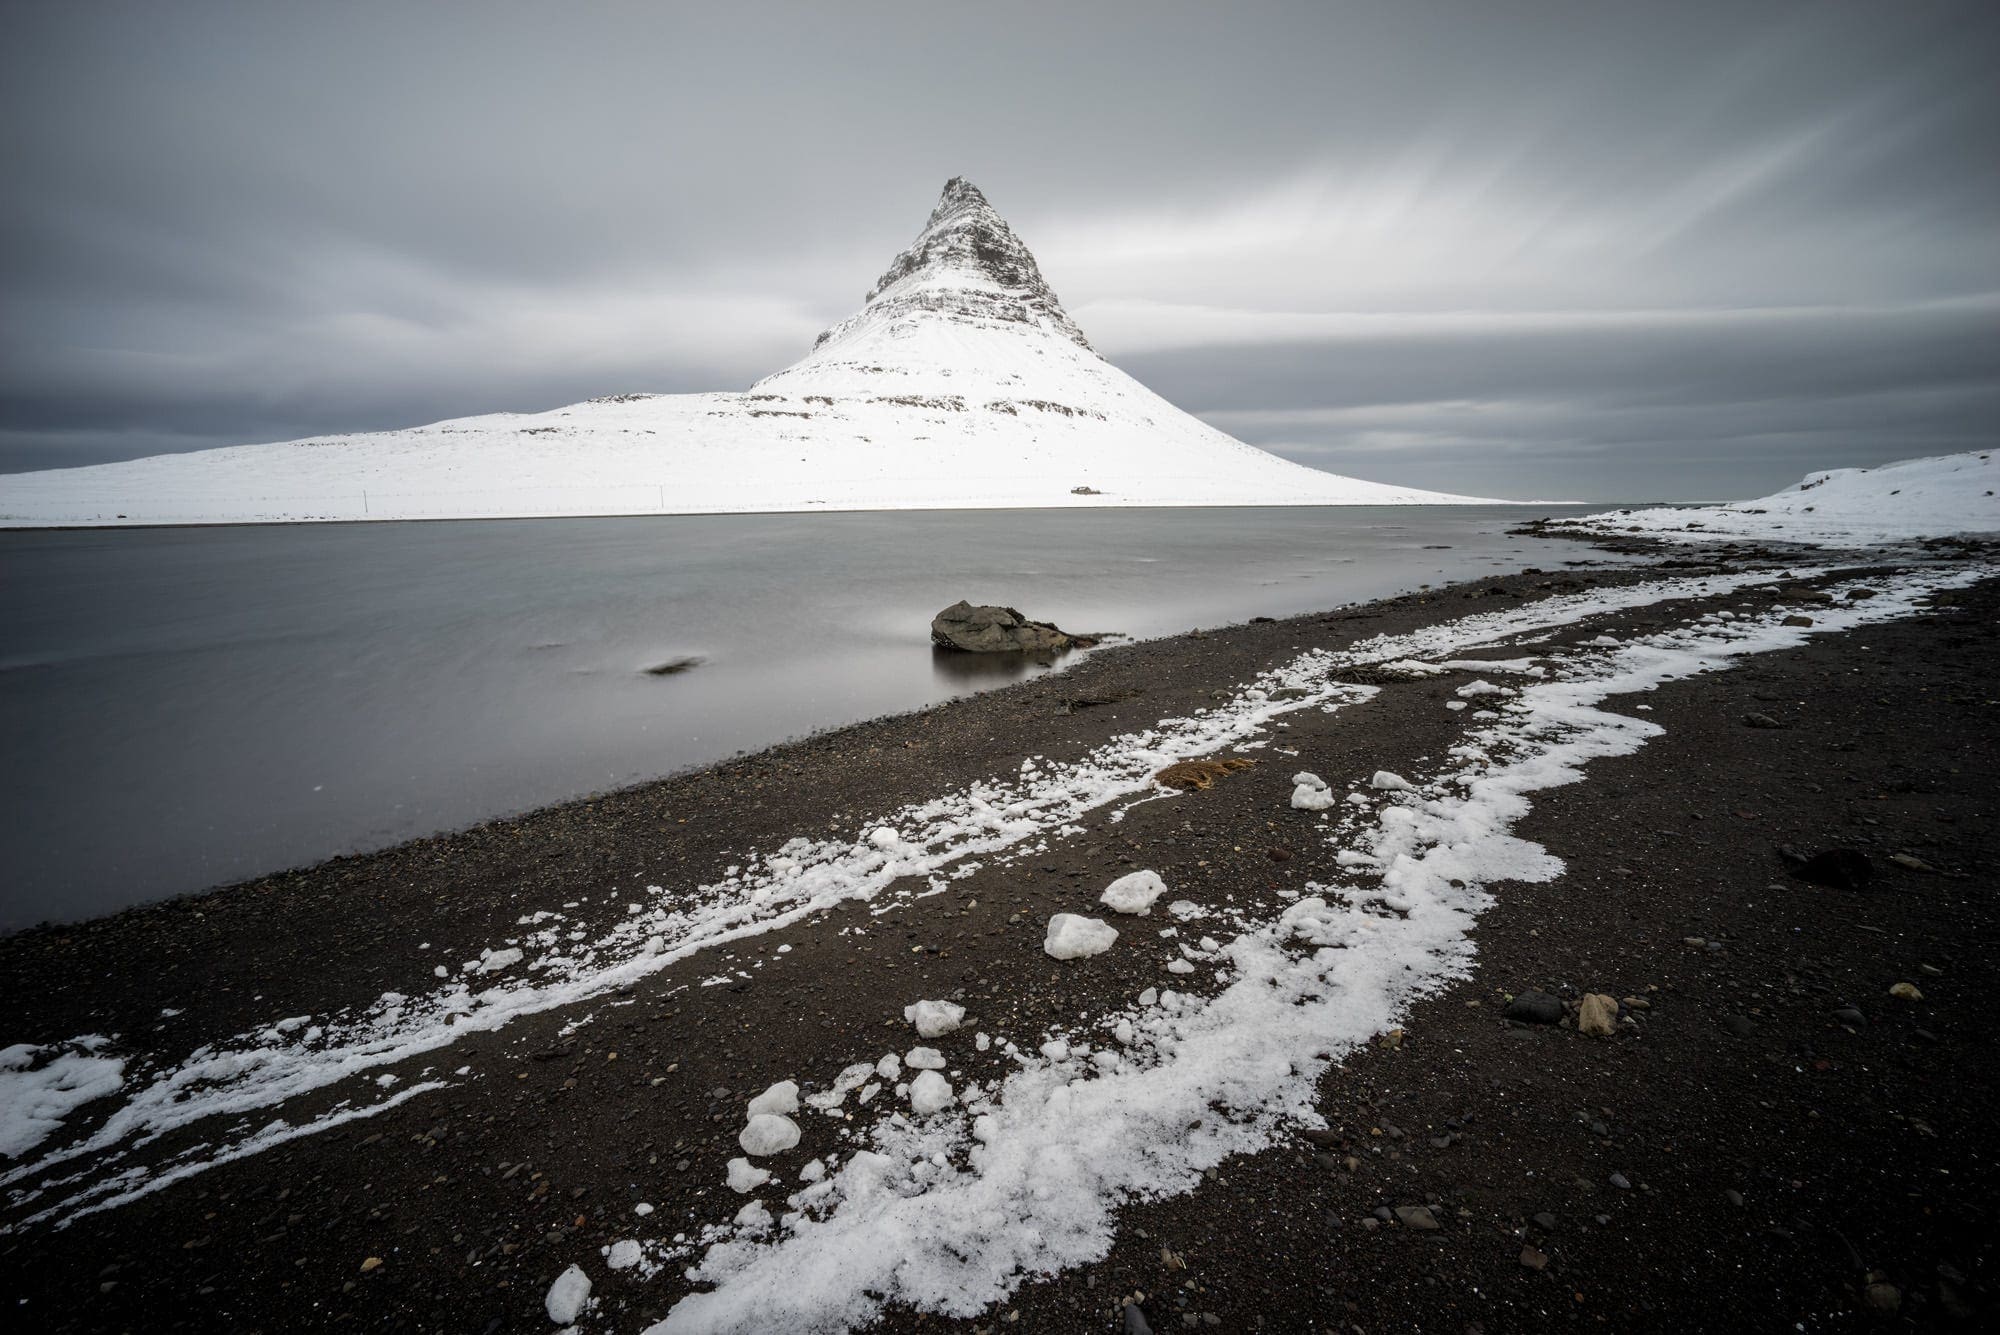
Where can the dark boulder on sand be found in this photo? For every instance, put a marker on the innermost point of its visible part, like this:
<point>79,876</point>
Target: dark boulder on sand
<point>999,630</point>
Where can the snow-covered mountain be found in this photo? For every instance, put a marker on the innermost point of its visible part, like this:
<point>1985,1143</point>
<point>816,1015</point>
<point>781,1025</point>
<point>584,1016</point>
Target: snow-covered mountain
<point>961,383</point>
<point>1941,496</point>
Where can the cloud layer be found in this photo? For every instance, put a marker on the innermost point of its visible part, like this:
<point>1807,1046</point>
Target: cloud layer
<point>1532,250</point>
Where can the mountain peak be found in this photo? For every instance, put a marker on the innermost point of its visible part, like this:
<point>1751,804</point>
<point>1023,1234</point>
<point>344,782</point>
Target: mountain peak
<point>966,264</point>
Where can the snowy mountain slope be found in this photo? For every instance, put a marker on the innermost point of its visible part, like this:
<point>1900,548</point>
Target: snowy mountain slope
<point>1846,507</point>
<point>961,383</point>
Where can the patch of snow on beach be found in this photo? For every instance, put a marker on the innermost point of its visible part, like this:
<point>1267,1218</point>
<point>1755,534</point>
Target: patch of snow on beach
<point>1846,507</point>
<point>39,1086</point>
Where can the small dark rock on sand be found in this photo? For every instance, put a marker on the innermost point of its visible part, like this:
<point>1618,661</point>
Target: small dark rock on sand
<point>1837,869</point>
<point>1534,1008</point>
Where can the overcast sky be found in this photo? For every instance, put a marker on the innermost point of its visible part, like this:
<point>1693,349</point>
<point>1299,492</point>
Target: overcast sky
<point>1592,249</point>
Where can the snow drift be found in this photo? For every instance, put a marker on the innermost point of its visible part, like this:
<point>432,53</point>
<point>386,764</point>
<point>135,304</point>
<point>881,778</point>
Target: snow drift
<point>1943,496</point>
<point>961,383</point>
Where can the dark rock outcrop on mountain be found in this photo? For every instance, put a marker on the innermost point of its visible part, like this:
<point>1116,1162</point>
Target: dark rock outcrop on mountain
<point>968,263</point>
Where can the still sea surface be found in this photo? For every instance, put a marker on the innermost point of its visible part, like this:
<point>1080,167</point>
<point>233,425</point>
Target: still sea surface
<point>183,708</point>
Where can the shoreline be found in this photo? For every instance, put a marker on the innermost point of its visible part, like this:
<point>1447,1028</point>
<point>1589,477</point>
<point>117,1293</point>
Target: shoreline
<point>339,934</point>
<point>69,527</point>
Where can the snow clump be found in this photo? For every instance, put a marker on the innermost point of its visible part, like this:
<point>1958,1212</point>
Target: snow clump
<point>934,1019</point>
<point>924,1059</point>
<point>568,1295</point>
<point>493,961</point>
<point>929,1093</point>
<point>1310,792</point>
<point>1133,893</point>
<point>781,1098</point>
<point>1072,936</point>
<point>1390,783</point>
<point>745,1178</point>
<point>768,1133</point>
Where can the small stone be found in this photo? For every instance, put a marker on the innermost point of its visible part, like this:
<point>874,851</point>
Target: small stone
<point>372,1263</point>
<point>1734,1197</point>
<point>1796,620</point>
<point>1883,1297</point>
<point>1534,1008</point>
<point>1906,992</point>
<point>1534,1258</point>
<point>1740,1025</point>
<point>1418,1217</point>
<point>1620,1181</point>
<point>1910,862</point>
<point>1837,869</point>
<point>1760,721</point>
<point>1545,1222</point>
<point>1597,1016</point>
<point>1851,1016</point>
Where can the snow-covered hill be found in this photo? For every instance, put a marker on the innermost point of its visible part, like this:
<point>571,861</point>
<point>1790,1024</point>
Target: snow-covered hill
<point>961,383</point>
<point>1937,497</point>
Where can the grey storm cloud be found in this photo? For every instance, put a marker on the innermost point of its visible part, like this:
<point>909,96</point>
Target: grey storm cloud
<point>1534,249</point>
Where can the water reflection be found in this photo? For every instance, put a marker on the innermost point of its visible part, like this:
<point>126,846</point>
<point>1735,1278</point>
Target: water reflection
<point>956,667</point>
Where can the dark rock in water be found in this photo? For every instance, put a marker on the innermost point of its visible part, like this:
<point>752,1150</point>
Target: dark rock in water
<point>999,630</point>
<point>1837,868</point>
<point>1534,1008</point>
<point>673,667</point>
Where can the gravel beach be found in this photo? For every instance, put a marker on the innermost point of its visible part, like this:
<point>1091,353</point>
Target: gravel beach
<point>1786,1121</point>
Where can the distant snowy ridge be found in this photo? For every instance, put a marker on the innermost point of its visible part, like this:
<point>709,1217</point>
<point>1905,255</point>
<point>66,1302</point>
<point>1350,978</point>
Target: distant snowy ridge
<point>961,384</point>
<point>1942,496</point>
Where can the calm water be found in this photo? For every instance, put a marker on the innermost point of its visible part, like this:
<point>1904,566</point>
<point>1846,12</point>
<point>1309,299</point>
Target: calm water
<point>184,708</point>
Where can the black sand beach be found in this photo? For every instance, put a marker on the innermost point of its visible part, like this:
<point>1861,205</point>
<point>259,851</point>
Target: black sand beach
<point>1735,1157</point>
